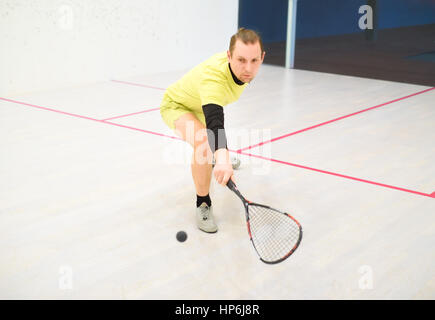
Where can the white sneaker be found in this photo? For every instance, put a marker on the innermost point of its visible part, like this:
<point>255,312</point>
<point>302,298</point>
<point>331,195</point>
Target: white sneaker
<point>205,219</point>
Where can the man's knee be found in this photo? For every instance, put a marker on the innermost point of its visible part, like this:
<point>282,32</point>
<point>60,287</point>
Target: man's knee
<point>187,127</point>
<point>201,147</point>
<point>195,133</point>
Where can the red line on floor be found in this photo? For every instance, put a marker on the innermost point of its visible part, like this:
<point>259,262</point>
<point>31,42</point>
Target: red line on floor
<point>236,151</point>
<point>87,118</point>
<point>138,84</point>
<point>48,109</point>
<point>333,120</point>
<point>131,114</point>
<point>141,130</point>
<point>337,174</point>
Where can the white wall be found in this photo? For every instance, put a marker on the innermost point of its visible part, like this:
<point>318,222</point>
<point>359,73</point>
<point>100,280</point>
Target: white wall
<point>48,44</point>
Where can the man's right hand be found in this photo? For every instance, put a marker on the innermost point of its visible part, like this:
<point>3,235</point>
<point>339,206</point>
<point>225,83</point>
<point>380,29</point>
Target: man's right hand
<point>223,169</point>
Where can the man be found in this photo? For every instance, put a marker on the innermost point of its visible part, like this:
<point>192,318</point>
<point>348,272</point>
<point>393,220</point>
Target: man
<point>193,107</point>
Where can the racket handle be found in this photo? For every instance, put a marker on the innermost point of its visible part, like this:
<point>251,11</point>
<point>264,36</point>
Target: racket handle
<point>231,185</point>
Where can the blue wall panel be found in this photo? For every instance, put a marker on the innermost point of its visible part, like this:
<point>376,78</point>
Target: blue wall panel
<point>269,18</point>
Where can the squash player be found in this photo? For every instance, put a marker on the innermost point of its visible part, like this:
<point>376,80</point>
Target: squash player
<point>193,107</point>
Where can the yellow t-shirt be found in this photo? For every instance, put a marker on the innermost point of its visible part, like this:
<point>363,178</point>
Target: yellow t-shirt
<point>209,82</point>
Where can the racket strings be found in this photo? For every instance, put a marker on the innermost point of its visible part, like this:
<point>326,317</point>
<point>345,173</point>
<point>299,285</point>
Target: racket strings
<point>274,234</point>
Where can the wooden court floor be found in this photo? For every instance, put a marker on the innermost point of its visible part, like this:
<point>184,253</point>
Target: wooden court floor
<point>94,188</point>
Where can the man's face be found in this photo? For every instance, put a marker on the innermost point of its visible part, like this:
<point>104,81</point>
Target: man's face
<point>246,60</point>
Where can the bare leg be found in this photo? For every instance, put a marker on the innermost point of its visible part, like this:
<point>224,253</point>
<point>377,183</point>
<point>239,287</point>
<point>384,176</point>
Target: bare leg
<point>191,130</point>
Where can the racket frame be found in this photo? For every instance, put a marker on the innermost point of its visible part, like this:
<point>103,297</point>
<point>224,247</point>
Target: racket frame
<point>246,203</point>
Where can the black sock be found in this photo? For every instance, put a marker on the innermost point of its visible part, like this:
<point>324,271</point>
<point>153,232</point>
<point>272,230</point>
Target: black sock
<point>200,200</point>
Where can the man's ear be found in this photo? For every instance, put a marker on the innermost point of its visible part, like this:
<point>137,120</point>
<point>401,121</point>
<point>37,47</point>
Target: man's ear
<point>262,56</point>
<point>228,54</point>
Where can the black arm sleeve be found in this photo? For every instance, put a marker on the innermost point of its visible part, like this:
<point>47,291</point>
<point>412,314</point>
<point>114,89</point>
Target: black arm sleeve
<point>214,118</point>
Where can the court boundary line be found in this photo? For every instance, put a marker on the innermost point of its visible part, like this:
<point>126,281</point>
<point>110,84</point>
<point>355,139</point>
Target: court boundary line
<point>137,84</point>
<point>234,151</point>
<point>333,120</point>
<point>339,175</point>
<point>131,114</point>
<point>308,128</point>
<point>87,118</point>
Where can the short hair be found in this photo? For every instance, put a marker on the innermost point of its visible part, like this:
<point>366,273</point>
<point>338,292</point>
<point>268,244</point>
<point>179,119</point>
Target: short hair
<point>247,36</point>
